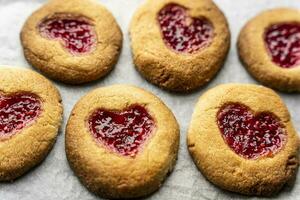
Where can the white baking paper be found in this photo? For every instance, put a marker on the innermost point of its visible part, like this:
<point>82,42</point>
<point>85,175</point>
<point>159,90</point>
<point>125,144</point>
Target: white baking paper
<point>54,180</point>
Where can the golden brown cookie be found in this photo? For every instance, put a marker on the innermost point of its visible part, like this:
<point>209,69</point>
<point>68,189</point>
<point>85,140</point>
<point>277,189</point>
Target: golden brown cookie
<point>30,115</point>
<point>73,41</point>
<point>121,141</point>
<point>269,46</point>
<point>179,45</point>
<point>242,139</point>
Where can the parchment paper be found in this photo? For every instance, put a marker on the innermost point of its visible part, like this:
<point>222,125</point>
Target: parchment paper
<point>53,179</point>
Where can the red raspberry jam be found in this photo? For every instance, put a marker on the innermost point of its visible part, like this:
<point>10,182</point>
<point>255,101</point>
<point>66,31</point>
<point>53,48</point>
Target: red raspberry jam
<point>16,112</point>
<point>122,131</point>
<point>76,34</point>
<point>248,135</point>
<point>182,32</point>
<point>283,44</point>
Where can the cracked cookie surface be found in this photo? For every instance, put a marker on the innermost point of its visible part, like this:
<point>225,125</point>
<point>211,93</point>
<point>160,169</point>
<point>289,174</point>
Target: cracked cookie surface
<point>74,42</point>
<point>242,139</point>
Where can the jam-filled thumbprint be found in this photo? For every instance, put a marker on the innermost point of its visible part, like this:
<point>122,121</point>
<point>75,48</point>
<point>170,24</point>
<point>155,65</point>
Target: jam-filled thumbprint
<point>30,116</point>
<point>242,139</point>
<point>123,132</point>
<point>283,43</point>
<point>179,46</point>
<point>17,111</point>
<point>249,135</point>
<point>121,142</point>
<point>74,42</point>
<point>76,33</point>
<point>269,48</point>
<point>182,32</point>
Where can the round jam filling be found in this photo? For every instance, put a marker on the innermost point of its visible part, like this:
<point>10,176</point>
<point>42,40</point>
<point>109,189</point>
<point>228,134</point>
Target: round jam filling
<point>181,32</point>
<point>248,135</point>
<point>123,131</point>
<point>76,34</point>
<point>16,112</point>
<point>283,44</point>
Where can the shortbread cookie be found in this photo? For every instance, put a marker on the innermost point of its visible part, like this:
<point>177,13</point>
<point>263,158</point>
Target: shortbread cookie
<point>179,45</point>
<point>269,47</point>
<point>242,139</point>
<point>121,141</point>
<point>73,41</point>
<point>30,115</point>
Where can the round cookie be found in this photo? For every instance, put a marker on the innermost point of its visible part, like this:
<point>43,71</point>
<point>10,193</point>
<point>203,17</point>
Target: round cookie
<point>121,141</point>
<point>73,41</point>
<point>179,45</point>
<point>242,139</point>
<point>30,115</point>
<point>269,46</point>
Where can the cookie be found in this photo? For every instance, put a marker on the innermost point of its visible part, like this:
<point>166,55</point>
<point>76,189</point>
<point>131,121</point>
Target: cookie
<point>72,41</point>
<point>269,46</point>
<point>30,115</point>
<point>242,139</point>
<point>121,141</point>
<point>179,45</point>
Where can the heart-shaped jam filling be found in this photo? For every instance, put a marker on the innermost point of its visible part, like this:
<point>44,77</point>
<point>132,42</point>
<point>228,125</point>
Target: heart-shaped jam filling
<point>122,131</point>
<point>181,32</point>
<point>16,112</point>
<point>283,44</point>
<point>248,135</point>
<point>76,33</point>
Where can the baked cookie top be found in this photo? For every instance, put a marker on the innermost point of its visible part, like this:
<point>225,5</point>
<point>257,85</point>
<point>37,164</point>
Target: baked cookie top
<point>242,139</point>
<point>269,47</point>
<point>121,141</point>
<point>30,115</point>
<point>179,44</point>
<point>72,41</point>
